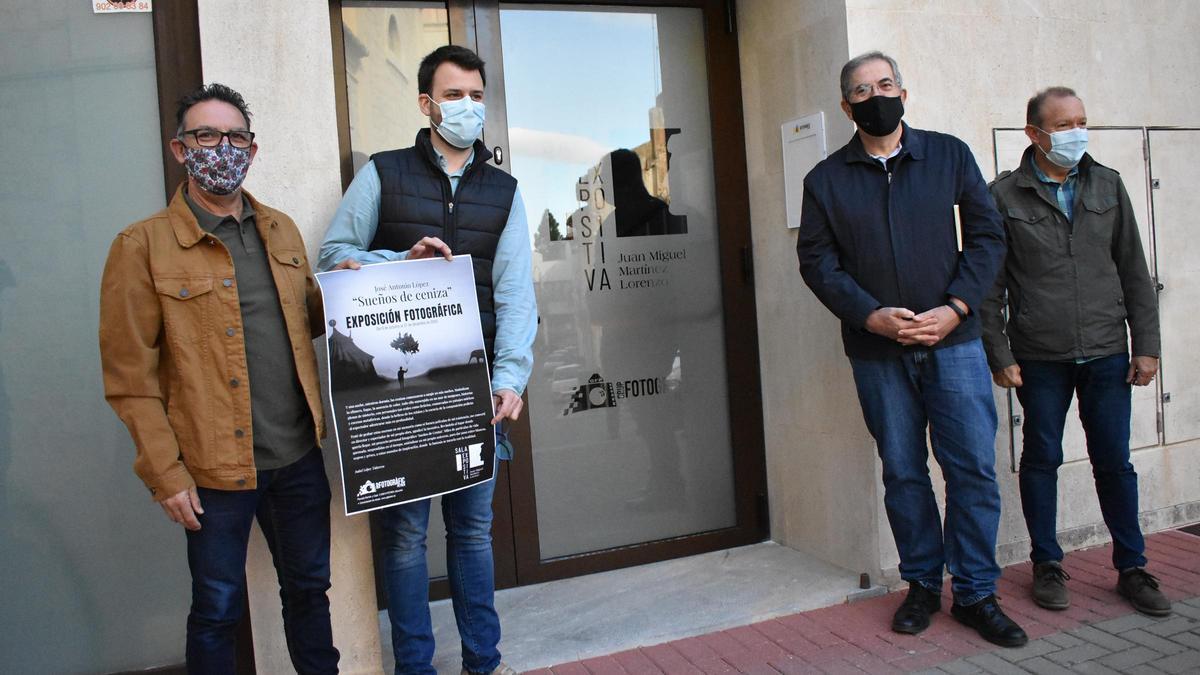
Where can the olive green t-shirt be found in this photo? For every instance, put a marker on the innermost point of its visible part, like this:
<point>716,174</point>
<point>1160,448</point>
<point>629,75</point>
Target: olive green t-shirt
<point>282,422</point>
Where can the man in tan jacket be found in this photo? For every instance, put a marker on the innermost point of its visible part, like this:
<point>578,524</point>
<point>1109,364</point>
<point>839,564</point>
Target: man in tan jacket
<point>207,313</point>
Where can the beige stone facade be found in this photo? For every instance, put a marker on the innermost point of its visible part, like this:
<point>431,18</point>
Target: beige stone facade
<point>969,67</point>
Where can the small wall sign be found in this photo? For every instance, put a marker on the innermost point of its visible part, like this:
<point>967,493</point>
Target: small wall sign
<point>117,6</point>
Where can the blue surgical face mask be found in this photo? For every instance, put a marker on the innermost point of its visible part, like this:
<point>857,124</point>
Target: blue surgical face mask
<point>1066,147</point>
<point>462,121</point>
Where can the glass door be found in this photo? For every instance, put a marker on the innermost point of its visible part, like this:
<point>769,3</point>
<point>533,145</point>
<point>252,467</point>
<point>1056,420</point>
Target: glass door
<point>643,434</point>
<point>381,46</point>
<point>623,127</point>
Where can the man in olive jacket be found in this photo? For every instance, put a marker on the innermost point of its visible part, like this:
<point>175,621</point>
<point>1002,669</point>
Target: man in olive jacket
<point>1075,276</point>
<point>207,313</point>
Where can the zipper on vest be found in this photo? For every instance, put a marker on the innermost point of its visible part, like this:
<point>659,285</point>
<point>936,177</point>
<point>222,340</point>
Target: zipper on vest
<point>448,228</point>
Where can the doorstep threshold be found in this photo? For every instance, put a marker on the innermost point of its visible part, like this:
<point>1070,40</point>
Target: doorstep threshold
<point>578,618</point>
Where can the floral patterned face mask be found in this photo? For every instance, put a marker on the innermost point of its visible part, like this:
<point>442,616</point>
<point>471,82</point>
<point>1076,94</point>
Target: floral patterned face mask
<point>218,170</point>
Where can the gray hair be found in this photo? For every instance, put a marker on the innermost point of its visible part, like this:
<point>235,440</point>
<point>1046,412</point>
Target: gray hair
<point>1033,109</point>
<point>854,63</point>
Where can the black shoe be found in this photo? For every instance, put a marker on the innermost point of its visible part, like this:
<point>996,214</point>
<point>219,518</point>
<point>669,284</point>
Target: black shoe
<point>989,621</point>
<point>1141,589</point>
<point>913,615</point>
<point>1050,585</point>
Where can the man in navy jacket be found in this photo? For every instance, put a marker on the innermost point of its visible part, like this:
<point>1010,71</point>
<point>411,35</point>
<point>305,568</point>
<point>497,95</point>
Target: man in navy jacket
<point>881,246</point>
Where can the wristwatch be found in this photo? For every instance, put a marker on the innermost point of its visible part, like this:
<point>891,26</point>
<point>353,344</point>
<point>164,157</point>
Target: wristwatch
<point>962,316</point>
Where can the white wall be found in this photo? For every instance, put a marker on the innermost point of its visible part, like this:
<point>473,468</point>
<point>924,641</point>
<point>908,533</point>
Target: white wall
<point>279,56</point>
<point>969,66</point>
<point>821,464</point>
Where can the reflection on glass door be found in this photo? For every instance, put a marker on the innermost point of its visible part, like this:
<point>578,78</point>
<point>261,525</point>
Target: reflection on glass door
<point>95,579</point>
<point>384,44</point>
<point>610,138</point>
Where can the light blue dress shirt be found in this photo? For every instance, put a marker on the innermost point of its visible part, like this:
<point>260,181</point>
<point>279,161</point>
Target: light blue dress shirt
<point>353,229</point>
<point>1064,192</point>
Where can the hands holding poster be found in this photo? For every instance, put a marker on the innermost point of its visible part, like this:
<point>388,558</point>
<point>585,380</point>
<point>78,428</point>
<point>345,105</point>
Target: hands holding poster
<point>408,379</point>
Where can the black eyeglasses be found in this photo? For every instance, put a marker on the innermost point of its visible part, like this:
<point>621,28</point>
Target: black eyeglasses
<point>211,138</point>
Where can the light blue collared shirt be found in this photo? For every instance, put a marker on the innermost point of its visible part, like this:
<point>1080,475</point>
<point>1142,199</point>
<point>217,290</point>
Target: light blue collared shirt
<point>884,160</point>
<point>353,228</point>
<point>1064,192</point>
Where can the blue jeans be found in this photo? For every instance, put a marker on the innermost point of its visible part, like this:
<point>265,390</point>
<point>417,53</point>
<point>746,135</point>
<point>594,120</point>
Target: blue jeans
<point>468,516</point>
<point>948,390</point>
<point>1104,409</point>
<point>292,507</point>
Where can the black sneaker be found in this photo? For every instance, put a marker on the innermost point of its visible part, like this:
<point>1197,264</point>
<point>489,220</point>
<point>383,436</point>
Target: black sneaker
<point>1141,589</point>
<point>990,622</point>
<point>1050,586</point>
<point>913,615</point>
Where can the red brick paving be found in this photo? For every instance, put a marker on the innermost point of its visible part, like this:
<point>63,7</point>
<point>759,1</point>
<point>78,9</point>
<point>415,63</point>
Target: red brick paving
<point>855,638</point>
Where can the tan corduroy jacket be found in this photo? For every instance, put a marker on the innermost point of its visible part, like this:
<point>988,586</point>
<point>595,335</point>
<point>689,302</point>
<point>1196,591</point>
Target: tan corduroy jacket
<point>171,344</point>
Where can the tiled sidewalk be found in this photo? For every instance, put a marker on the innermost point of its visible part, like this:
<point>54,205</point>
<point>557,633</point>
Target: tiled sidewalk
<point>1099,633</point>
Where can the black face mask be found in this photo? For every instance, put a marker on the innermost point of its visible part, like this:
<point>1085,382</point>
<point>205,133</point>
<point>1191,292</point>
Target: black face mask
<point>878,115</point>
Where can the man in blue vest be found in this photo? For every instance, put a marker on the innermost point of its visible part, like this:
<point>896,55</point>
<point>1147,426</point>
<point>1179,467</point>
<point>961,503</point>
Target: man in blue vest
<point>440,197</point>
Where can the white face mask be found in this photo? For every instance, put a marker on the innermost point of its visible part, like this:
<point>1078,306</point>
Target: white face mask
<point>1066,147</point>
<point>462,121</point>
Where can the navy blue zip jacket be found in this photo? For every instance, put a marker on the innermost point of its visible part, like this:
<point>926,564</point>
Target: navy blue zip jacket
<point>872,237</point>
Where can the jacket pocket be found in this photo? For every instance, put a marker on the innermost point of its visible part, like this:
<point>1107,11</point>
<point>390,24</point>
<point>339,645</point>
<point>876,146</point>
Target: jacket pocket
<point>1104,313</point>
<point>1099,203</point>
<point>1097,220</point>
<point>186,304</point>
<point>291,273</point>
<point>1034,234</point>
<point>1042,325</point>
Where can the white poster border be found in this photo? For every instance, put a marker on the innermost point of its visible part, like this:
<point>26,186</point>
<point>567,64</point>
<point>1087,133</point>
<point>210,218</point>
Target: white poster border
<point>333,414</point>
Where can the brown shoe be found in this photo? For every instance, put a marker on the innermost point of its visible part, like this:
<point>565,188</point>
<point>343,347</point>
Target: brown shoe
<point>1050,586</point>
<point>1141,589</point>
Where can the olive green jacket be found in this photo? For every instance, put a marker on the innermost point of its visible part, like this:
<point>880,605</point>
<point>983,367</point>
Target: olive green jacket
<point>1072,287</point>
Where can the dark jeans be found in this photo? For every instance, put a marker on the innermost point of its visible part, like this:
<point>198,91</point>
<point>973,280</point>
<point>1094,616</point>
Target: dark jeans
<point>949,392</point>
<point>1104,409</point>
<point>468,516</point>
<point>292,507</point>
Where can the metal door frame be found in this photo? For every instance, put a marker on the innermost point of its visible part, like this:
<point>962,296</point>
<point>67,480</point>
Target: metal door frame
<point>1148,158</point>
<point>476,24</point>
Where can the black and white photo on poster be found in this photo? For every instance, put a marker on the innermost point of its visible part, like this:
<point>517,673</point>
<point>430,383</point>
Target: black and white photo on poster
<point>408,379</point>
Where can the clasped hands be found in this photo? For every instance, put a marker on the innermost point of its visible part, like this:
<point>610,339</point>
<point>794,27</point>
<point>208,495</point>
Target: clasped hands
<point>909,328</point>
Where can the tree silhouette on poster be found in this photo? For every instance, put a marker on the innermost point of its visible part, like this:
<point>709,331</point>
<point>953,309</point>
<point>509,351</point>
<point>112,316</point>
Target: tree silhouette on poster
<point>407,345</point>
